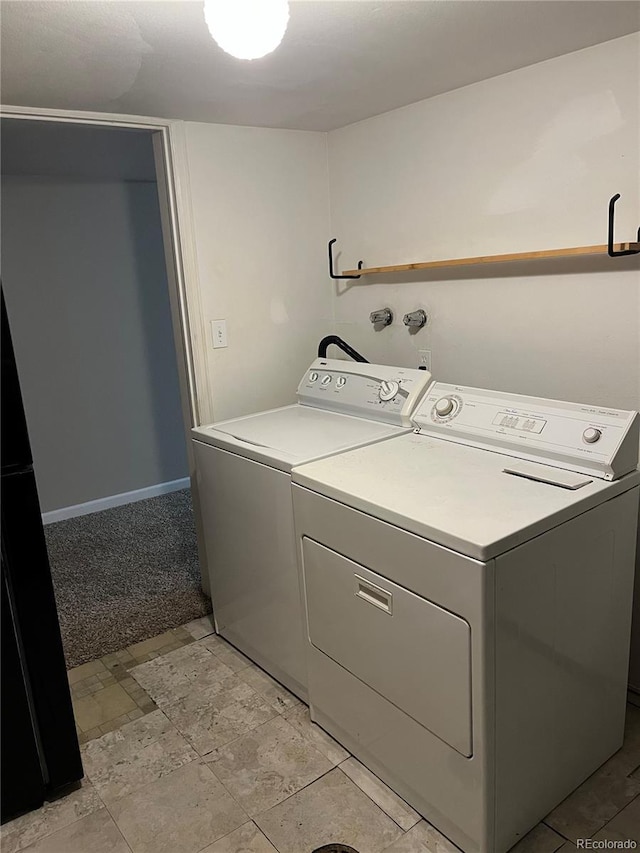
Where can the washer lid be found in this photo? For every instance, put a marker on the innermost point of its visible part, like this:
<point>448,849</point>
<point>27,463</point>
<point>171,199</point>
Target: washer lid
<point>457,496</point>
<point>293,434</point>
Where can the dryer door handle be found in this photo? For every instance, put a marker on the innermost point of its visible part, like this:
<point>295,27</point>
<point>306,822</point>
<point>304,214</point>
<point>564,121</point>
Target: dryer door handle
<point>374,594</point>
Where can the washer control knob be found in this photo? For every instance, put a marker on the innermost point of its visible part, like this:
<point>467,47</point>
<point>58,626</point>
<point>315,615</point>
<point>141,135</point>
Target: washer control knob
<point>326,379</point>
<point>313,376</point>
<point>444,406</point>
<point>342,381</point>
<point>388,390</point>
<point>591,435</point>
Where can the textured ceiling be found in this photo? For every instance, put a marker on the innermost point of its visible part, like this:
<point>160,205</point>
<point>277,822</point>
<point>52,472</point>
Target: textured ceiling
<point>340,61</point>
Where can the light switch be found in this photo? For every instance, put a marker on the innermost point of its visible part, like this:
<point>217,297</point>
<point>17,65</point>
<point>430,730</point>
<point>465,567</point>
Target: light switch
<point>219,333</point>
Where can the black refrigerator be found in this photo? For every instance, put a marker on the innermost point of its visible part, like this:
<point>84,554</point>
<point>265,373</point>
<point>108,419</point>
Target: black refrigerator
<point>39,746</point>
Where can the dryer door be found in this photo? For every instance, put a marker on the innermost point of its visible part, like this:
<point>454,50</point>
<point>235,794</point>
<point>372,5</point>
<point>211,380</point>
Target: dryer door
<point>412,652</point>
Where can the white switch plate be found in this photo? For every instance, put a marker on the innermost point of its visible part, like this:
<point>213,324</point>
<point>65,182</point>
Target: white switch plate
<point>424,359</point>
<point>219,333</point>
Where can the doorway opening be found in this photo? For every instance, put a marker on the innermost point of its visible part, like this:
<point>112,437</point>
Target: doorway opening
<point>88,298</point>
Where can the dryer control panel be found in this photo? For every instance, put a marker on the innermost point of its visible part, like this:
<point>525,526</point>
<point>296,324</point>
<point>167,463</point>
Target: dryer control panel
<point>591,439</point>
<point>375,391</point>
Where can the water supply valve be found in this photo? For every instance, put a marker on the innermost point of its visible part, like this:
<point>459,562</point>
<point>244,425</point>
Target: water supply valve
<point>382,317</point>
<point>415,319</point>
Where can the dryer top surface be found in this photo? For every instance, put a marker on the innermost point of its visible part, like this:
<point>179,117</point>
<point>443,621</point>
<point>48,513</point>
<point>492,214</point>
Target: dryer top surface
<point>457,496</point>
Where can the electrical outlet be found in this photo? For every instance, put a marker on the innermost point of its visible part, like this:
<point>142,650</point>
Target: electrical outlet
<point>424,359</point>
<point>219,333</point>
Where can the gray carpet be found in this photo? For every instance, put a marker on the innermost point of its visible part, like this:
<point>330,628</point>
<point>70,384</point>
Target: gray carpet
<point>125,574</point>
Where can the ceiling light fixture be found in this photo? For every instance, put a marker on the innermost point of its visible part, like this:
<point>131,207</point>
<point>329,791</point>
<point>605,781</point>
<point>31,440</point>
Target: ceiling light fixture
<point>247,29</point>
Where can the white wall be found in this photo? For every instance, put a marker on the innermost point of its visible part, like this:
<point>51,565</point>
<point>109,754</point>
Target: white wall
<point>261,221</point>
<point>85,283</point>
<point>520,162</point>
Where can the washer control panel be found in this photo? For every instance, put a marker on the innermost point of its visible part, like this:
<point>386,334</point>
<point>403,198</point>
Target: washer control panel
<point>591,439</point>
<point>375,391</point>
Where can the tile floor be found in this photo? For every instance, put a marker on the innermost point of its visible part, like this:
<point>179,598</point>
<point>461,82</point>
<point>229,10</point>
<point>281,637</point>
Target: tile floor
<point>103,693</point>
<point>190,748</point>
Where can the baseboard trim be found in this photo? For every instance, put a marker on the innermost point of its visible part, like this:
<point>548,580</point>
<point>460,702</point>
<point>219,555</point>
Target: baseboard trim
<point>114,500</point>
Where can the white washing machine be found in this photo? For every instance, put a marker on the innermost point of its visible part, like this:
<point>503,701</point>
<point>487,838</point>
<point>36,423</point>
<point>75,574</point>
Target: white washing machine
<point>468,592</point>
<point>243,471</point>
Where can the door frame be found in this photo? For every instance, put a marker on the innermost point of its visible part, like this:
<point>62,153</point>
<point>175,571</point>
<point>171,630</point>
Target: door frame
<point>169,145</point>
<point>173,183</point>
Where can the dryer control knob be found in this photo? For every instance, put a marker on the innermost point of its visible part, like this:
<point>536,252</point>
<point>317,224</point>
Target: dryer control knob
<point>388,390</point>
<point>591,435</point>
<point>444,406</point>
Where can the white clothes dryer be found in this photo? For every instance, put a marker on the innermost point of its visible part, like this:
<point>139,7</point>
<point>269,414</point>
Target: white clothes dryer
<point>243,473</point>
<point>468,591</point>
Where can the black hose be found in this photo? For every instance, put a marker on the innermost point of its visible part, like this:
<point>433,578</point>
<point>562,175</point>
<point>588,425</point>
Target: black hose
<point>343,345</point>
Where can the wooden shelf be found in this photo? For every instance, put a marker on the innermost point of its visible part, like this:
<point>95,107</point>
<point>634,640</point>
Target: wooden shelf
<point>580,251</point>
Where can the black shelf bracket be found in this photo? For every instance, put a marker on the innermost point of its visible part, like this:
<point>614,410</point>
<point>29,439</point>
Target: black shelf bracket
<point>331,271</point>
<point>611,251</point>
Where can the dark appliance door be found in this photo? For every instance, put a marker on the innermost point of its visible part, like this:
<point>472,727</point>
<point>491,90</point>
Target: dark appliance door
<point>38,675</point>
<point>22,777</point>
<point>14,438</point>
